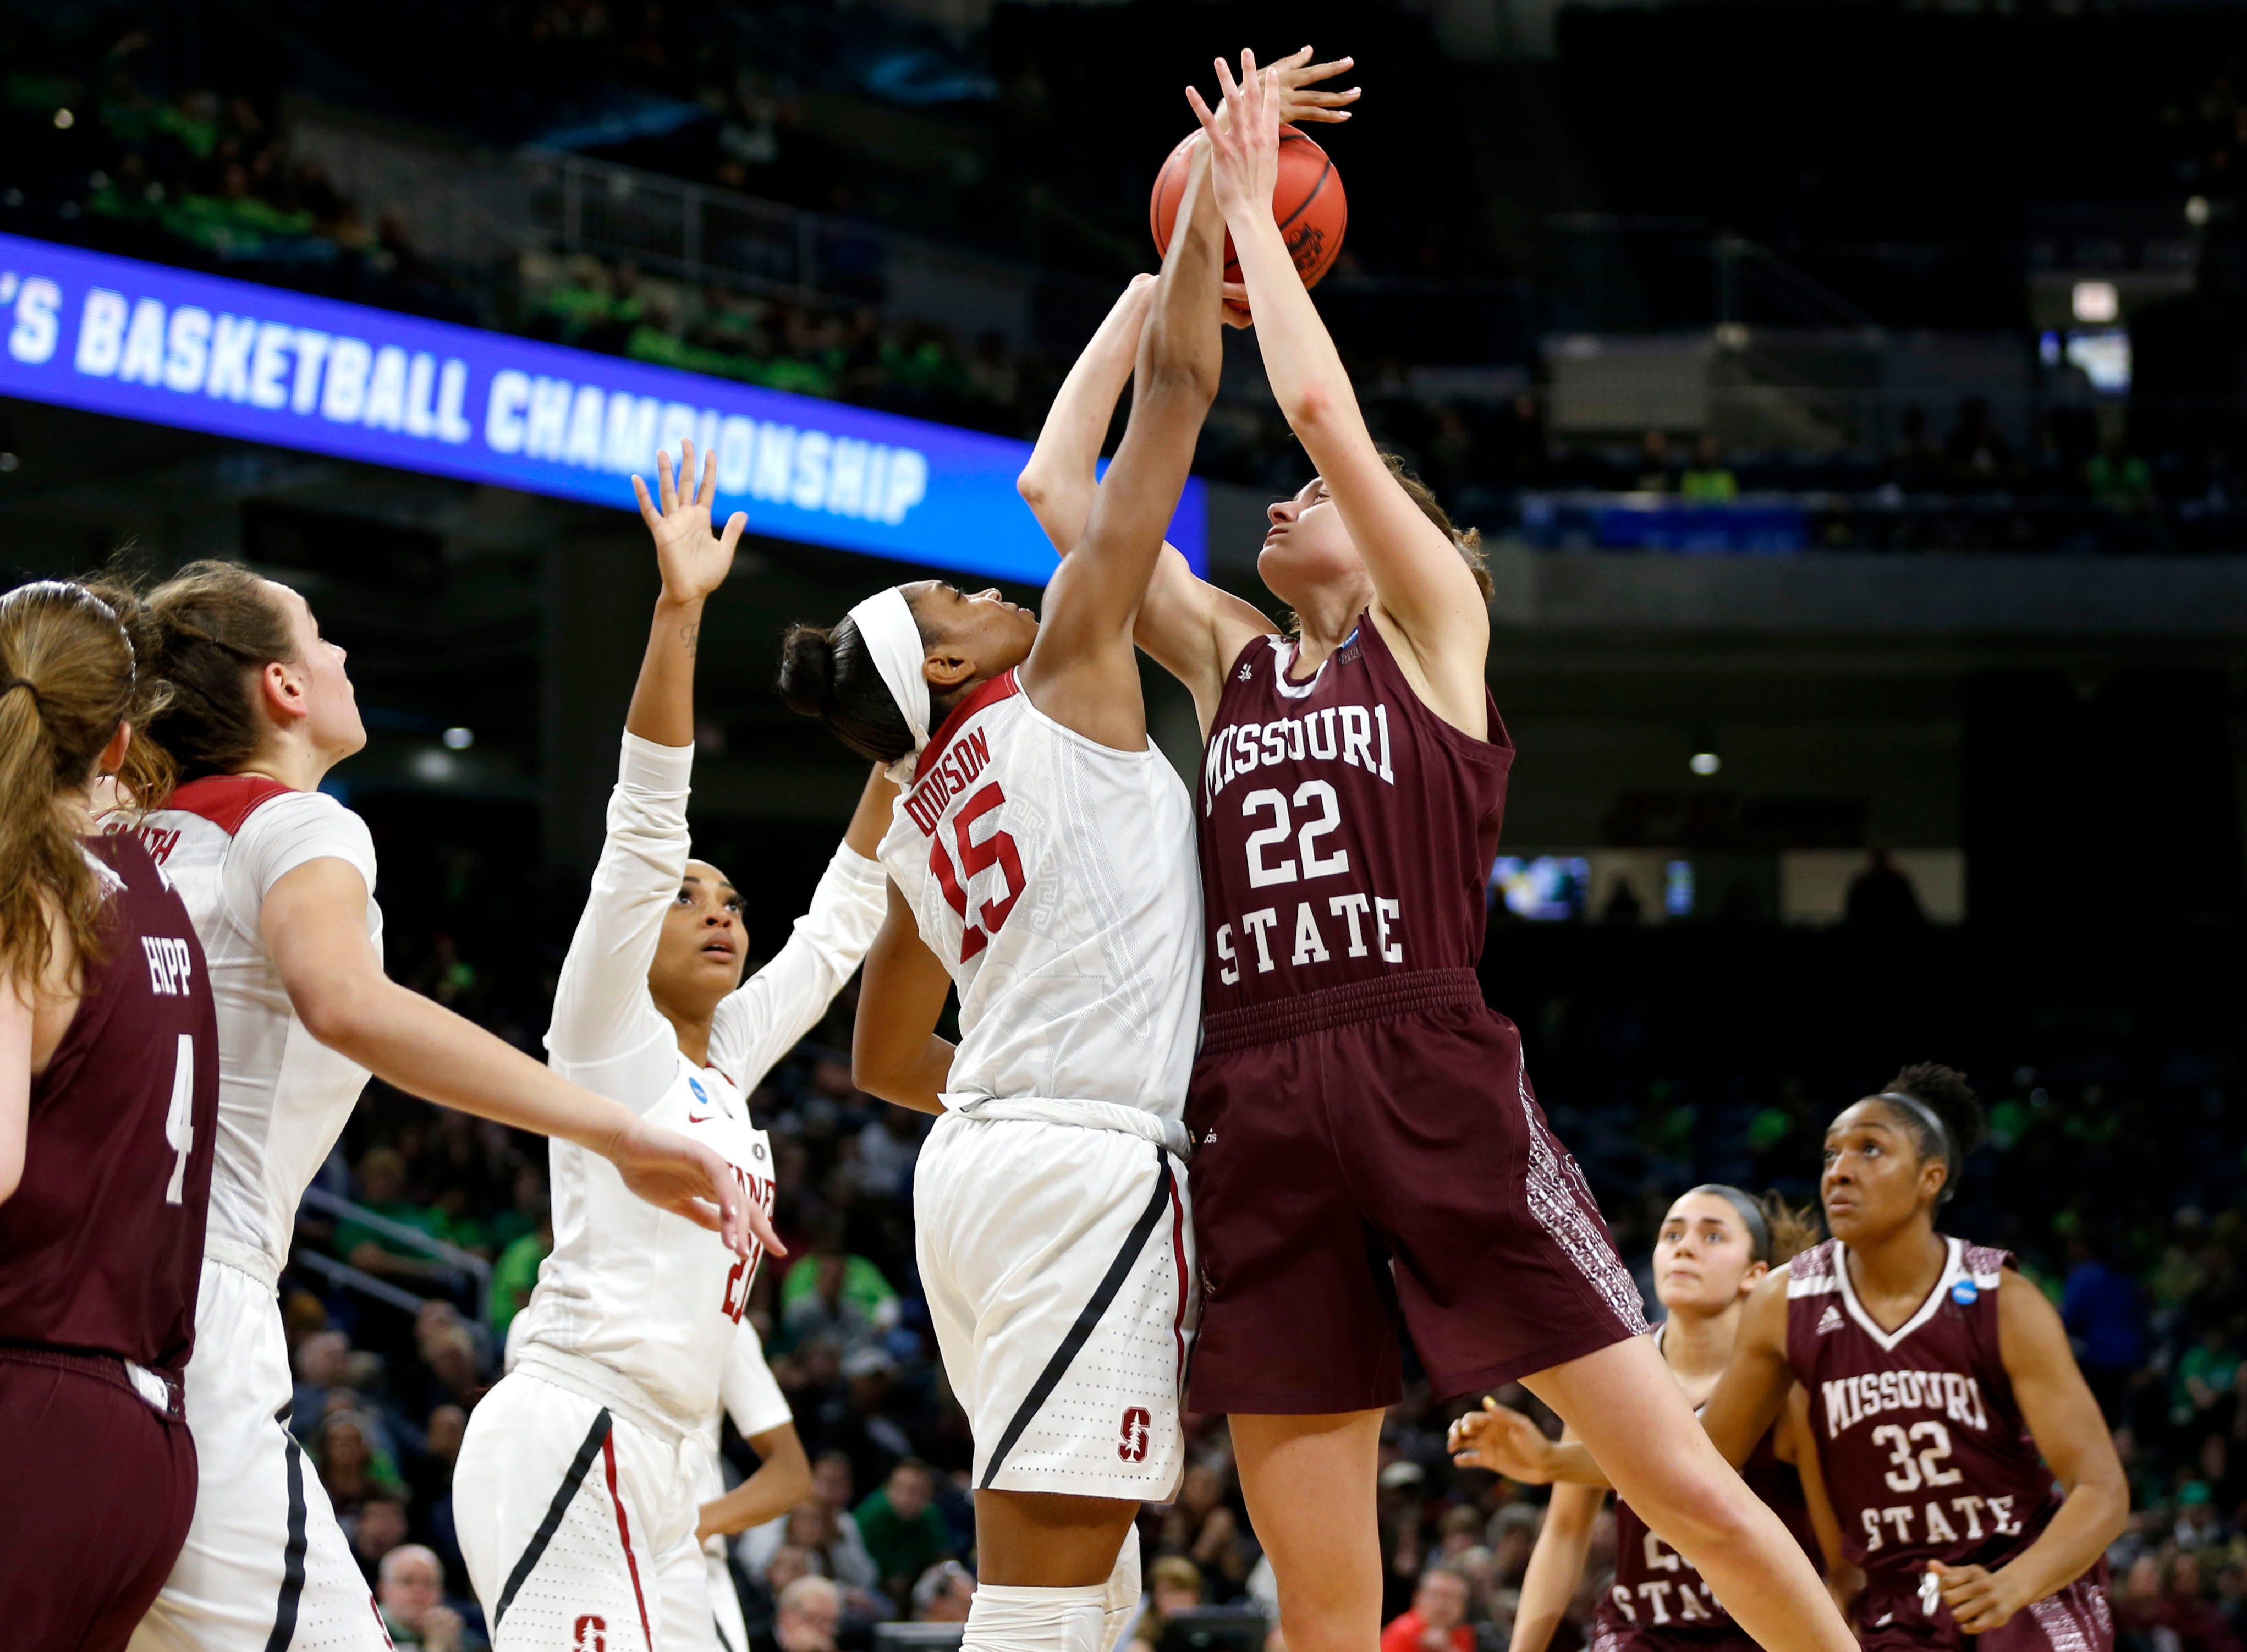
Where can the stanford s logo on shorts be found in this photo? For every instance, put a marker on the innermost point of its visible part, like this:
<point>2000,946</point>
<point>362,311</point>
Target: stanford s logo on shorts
<point>590,1635</point>
<point>1136,1426</point>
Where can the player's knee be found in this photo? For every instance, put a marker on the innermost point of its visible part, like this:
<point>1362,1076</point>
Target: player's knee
<point>1700,1510</point>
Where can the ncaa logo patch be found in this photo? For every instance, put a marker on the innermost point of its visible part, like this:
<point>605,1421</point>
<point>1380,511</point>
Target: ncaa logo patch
<point>1964,1293</point>
<point>1139,1426</point>
<point>702,1096</point>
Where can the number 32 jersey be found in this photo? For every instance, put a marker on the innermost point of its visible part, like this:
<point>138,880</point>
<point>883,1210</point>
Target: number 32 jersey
<point>1924,1452</point>
<point>1055,877</point>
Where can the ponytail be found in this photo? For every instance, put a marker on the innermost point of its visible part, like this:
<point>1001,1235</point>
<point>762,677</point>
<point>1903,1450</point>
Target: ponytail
<point>829,673</point>
<point>213,627</point>
<point>70,676</point>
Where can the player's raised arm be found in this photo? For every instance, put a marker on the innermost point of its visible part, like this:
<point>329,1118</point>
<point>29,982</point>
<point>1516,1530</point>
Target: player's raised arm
<point>1081,671</point>
<point>694,561</point>
<point>1419,578</point>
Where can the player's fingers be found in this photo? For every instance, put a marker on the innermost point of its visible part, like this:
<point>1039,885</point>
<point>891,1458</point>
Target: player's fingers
<point>1225,84</point>
<point>1323,70</point>
<point>1201,112</point>
<point>648,513</point>
<point>731,536</point>
<point>709,479</point>
<point>763,1230</point>
<point>665,488</point>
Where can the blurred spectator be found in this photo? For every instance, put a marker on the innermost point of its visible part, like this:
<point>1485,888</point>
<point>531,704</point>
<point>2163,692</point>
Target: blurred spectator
<point>411,1592</point>
<point>903,1529</point>
<point>377,1529</point>
<point>811,1612</point>
<point>515,1275</point>
<point>944,1594</point>
<point>2105,1322</point>
<point>350,1465</point>
<point>829,1529</point>
<point>887,1149</point>
<point>2204,1377</point>
<point>1173,1584</point>
<point>382,1190</point>
<point>1881,897</point>
<point>1707,479</point>
<point>835,1294</point>
<point>1438,1618</point>
<point>2119,480</point>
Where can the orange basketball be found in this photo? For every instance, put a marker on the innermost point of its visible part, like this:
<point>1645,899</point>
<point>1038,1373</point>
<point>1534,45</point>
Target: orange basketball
<point>1308,205</point>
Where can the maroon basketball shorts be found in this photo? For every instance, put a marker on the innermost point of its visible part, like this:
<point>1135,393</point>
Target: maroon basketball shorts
<point>100,1488</point>
<point>1894,1614</point>
<point>1369,1159</point>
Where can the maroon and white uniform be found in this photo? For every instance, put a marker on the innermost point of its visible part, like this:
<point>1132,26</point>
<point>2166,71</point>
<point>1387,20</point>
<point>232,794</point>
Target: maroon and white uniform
<point>1659,1601</point>
<point>1925,1455</point>
<point>100,1252</point>
<point>1356,1101</point>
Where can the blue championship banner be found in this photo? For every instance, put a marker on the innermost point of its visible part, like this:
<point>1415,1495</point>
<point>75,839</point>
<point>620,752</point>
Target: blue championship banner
<point>203,352</point>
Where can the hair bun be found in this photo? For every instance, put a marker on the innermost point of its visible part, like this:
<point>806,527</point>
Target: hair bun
<point>806,670</point>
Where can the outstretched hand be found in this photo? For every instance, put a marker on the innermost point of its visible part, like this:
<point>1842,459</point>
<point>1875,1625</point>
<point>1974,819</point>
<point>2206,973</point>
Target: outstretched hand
<point>678,1174</point>
<point>1503,1441</point>
<point>694,560</point>
<point>1244,147</point>
<point>1293,78</point>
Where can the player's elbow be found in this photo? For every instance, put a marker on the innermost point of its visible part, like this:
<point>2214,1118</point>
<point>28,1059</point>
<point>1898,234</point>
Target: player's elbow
<point>1187,375</point>
<point>336,1011</point>
<point>1034,485</point>
<point>1308,409</point>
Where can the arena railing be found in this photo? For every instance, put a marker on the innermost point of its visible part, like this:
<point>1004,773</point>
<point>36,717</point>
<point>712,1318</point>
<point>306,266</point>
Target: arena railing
<point>413,1239</point>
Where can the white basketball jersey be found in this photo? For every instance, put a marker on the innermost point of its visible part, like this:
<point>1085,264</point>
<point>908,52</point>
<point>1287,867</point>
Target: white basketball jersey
<point>1055,878</point>
<point>634,1290</point>
<point>283,1096</point>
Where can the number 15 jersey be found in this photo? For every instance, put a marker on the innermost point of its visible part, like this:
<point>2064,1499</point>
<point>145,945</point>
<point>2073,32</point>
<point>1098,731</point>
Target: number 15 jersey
<point>1055,877</point>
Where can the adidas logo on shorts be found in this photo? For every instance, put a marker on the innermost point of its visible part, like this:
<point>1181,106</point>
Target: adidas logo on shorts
<point>1830,1319</point>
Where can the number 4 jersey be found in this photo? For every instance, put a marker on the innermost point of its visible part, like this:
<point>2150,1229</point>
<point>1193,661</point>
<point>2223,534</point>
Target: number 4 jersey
<point>1055,877</point>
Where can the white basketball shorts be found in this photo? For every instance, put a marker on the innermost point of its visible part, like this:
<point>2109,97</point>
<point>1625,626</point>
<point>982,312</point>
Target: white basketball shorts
<point>701,1610</point>
<point>566,1512</point>
<point>265,1563</point>
<point>1058,1261</point>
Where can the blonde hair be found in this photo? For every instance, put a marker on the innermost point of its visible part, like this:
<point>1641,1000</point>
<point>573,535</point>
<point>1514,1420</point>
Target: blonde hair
<point>69,676</point>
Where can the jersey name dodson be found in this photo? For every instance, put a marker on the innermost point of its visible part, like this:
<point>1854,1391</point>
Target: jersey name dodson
<point>967,757</point>
<point>1344,733</point>
<point>1850,1400</point>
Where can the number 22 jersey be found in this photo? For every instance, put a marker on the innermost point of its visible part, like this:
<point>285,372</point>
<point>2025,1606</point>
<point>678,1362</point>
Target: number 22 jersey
<point>1054,877</point>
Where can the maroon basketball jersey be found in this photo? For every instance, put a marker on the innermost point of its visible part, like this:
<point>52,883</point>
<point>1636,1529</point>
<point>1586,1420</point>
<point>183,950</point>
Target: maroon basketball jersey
<point>102,1246</point>
<point>1347,830</point>
<point>1924,1452</point>
<point>1656,1590</point>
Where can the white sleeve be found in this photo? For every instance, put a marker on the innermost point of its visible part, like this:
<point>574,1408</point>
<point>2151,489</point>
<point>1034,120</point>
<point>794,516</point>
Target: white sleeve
<point>760,1021</point>
<point>607,1034</point>
<point>286,833</point>
<point>752,1399</point>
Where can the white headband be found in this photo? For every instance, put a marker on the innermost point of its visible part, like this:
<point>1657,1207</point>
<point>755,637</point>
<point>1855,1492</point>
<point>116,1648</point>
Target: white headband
<point>886,625</point>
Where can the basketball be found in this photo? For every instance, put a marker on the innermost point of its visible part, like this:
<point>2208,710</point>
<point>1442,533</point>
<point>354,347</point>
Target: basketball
<point>1309,204</point>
